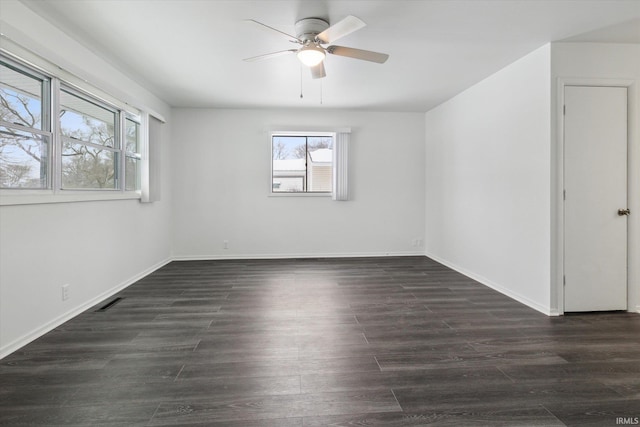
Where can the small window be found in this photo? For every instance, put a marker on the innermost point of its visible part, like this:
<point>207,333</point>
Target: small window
<point>301,163</point>
<point>90,150</point>
<point>25,134</point>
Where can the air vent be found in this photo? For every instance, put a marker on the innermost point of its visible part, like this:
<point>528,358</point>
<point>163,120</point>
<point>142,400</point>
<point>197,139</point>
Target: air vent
<point>110,304</point>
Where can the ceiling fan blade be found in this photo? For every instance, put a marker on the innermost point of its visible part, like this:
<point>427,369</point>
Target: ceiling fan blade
<point>340,29</point>
<point>269,55</point>
<point>365,55</point>
<point>293,38</point>
<point>318,72</point>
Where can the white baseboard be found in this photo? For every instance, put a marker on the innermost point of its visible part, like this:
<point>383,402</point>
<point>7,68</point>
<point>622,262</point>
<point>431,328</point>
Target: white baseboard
<point>514,295</point>
<point>47,327</point>
<point>219,257</point>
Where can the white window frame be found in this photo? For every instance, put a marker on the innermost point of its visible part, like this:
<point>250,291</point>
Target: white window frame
<point>54,193</point>
<point>271,193</point>
<point>45,120</point>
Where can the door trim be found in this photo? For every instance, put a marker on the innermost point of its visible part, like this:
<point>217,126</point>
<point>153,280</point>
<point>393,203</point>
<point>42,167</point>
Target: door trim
<point>633,193</point>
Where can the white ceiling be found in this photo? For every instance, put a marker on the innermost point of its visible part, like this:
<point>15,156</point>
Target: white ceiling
<point>189,52</point>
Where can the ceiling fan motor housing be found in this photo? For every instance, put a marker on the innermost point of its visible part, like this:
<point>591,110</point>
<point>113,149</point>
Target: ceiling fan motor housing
<point>307,29</point>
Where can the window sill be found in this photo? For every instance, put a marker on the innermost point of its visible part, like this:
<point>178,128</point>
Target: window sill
<point>294,194</point>
<point>36,197</point>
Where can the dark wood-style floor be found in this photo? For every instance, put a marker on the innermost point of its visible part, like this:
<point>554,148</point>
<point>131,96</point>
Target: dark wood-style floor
<point>317,342</point>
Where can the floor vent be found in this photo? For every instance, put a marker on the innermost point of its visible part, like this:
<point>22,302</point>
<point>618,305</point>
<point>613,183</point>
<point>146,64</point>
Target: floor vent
<point>110,304</point>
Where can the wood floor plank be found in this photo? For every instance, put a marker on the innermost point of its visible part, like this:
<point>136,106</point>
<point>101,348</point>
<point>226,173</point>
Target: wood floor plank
<point>432,379</point>
<point>509,396</point>
<point>114,415</point>
<point>485,417</point>
<point>268,407</point>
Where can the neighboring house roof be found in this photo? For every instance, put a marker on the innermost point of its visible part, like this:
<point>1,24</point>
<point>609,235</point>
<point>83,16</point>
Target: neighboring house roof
<point>321,155</point>
<point>289,165</point>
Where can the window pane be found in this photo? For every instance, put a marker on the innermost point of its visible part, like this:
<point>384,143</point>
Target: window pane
<point>20,98</point>
<point>132,174</point>
<point>23,159</point>
<point>133,136</point>
<point>289,163</point>
<point>132,162</point>
<point>320,163</point>
<point>88,167</point>
<point>86,121</point>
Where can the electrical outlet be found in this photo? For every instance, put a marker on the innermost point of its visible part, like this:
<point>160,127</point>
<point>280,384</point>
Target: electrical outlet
<point>225,244</point>
<point>65,292</point>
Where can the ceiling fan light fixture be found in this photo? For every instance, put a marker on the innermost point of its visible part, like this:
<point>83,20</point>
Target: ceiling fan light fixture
<point>311,55</point>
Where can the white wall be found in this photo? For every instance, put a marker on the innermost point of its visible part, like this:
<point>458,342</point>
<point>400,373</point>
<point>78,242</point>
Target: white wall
<point>597,64</point>
<point>488,181</point>
<point>96,247</point>
<point>221,163</point>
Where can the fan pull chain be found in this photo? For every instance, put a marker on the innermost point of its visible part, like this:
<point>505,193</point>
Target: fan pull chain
<point>301,83</point>
<point>320,91</point>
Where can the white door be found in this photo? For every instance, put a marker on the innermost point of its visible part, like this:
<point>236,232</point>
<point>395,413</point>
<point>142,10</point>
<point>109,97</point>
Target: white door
<point>595,177</point>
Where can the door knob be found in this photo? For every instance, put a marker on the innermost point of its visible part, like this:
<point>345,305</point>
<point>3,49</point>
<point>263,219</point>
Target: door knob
<point>623,212</point>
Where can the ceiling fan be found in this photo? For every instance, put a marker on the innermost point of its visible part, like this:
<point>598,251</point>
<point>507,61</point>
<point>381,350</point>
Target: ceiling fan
<point>312,34</point>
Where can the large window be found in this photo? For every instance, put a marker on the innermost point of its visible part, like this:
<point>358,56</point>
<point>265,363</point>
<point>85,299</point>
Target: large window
<point>96,145</point>
<point>301,163</point>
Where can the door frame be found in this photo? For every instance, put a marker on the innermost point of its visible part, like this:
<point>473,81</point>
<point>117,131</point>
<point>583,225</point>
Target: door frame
<point>633,192</point>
